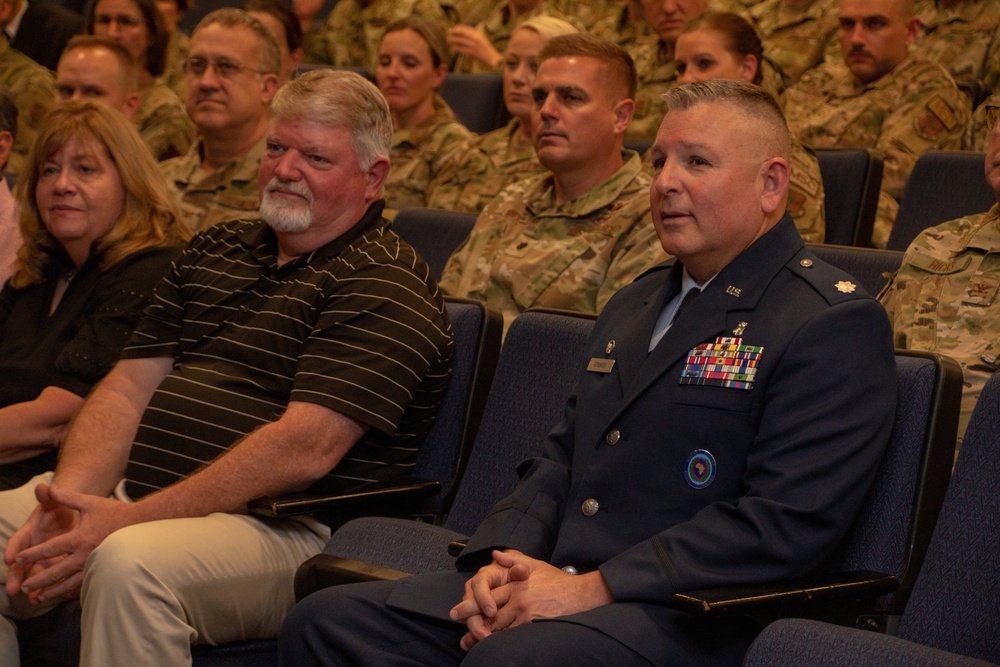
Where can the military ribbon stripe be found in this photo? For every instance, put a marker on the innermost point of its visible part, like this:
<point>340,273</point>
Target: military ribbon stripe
<point>724,363</point>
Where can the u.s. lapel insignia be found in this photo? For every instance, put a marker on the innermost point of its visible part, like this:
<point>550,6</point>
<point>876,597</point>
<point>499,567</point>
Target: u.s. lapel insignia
<point>846,286</point>
<point>610,347</point>
<point>738,331</point>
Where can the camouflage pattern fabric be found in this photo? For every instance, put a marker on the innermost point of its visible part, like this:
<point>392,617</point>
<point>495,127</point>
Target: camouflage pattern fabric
<point>418,154</point>
<point>944,299</point>
<point>33,90</point>
<point>476,172</point>
<point>913,109</point>
<point>352,32</point>
<point>619,26</point>
<point>796,41</point>
<point>228,193</point>
<point>977,134</point>
<point>177,53</point>
<point>657,73</point>
<point>963,39</point>
<point>163,122</point>
<point>527,251</point>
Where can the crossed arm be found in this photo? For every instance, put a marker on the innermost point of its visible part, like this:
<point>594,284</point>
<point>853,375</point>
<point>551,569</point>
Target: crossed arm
<point>74,515</point>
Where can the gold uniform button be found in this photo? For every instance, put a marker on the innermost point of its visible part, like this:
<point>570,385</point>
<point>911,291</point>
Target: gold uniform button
<point>613,436</point>
<point>590,507</point>
<point>806,263</point>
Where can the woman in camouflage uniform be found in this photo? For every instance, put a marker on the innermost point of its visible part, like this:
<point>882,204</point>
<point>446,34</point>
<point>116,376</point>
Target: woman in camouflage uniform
<point>412,63</point>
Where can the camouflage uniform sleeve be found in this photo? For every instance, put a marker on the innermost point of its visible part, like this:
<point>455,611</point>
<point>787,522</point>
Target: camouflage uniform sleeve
<point>885,216</point>
<point>640,251</point>
<point>944,299</point>
<point>931,115</point>
<point>976,133</point>
<point>806,196</point>
<point>469,266</point>
<point>991,67</point>
<point>164,123</point>
<point>33,90</point>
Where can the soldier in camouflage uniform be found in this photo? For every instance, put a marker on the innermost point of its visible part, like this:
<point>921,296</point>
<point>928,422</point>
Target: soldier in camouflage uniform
<point>32,87</point>
<point>207,198</point>
<point>216,180</point>
<point>477,171</point>
<point>796,35</point>
<point>944,297</point>
<point>528,250</point>
<point>963,38</point>
<point>413,59</point>
<point>418,154</point>
<point>902,108</point>
<point>551,240</point>
<point>353,30</point>
<point>654,61</point>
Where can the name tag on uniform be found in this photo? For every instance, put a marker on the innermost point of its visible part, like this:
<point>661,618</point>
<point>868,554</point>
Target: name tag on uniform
<point>597,365</point>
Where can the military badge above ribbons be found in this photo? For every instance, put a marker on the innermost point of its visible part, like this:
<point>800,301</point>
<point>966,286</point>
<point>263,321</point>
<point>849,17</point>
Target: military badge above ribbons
<point>727,362</point>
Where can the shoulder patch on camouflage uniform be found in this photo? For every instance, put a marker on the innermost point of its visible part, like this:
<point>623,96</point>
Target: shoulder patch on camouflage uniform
<point>796,200</point>
<point>938,117</point>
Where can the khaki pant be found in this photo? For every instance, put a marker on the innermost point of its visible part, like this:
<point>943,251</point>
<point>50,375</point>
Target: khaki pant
<point>151,590</point>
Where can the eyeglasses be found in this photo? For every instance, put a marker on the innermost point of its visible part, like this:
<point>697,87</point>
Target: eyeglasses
<point>123,20</point>
<point>224,68</point>
<point>992,115</point>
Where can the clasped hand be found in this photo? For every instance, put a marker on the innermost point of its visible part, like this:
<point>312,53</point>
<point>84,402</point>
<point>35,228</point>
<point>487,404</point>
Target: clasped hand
<point>47,554</point>
<point>516,589</point>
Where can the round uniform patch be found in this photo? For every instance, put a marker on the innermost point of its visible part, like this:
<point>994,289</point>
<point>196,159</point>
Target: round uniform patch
<point>699,471</point>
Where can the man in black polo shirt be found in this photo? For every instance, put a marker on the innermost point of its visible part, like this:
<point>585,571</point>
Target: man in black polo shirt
<point>273,355</point>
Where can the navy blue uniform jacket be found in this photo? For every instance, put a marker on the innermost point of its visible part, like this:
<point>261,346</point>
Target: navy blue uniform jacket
<point>794,455</point>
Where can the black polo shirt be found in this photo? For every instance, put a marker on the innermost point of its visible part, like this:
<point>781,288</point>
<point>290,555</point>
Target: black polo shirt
<point>357,326</point>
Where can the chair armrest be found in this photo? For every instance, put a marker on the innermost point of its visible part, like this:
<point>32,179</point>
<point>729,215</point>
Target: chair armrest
<point>396,497</point>
<point>325,570</point>
<point>811,591</point>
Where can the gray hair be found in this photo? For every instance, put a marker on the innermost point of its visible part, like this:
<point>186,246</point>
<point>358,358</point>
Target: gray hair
<point>268,55</point>
<point>752,101</point>
<point>340,98</point>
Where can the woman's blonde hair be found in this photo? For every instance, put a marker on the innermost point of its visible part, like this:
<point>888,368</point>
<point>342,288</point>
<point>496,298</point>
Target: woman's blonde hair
<point>149,218</point>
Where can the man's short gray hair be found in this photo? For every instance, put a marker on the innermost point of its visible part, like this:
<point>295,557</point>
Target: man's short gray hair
<point>755,103</point>
<point>340,98</point>
<point>268,56</point>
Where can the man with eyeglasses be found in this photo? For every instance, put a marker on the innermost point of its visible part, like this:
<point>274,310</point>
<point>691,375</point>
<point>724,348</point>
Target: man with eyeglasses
<point>232,74</point>
<point>944,296</point>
